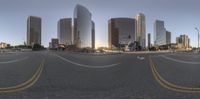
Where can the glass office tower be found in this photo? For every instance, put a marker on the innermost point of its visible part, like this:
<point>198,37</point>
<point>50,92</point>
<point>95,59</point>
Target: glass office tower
<point>141,30</point>
<point>65,31</point>
<point>34,26</point>
<point>82,23</point>
<point>121,31</point>
<point>159,33</point>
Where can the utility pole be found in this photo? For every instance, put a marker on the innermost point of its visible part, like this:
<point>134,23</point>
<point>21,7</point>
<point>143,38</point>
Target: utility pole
<point>198,38</point>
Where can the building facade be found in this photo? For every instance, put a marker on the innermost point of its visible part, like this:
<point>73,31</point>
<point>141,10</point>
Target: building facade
<point>168,37</point>
<point>141,30</point>
<point>82,24</point>
<point>93,35</point>
<point>149,40</point>
<point>183,41</point>
<point>65,31</point>
<point>54,43</point>
<point>4,45</point>
<point>121,32</point>
<point>159,33</point>
<point>34,26</point>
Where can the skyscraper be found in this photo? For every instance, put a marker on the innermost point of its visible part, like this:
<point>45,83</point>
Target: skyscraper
<point>34,25</point>
<point>149,40</point>
<point>65,31</point>
<point>159,33</point>
<point>141,30</point>
<point>121,32</point>
<point>82,27</point>
<point>93,35</point>
<point>168,37</point>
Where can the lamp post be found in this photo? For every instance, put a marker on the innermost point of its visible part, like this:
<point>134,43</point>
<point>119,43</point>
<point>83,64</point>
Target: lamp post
<point>119,46</point>
<point>198,38</point>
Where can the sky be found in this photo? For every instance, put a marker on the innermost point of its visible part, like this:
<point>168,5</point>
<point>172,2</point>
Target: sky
<point>180,16</point>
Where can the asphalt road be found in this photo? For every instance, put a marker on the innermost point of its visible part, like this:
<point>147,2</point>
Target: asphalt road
<point>63,75</point>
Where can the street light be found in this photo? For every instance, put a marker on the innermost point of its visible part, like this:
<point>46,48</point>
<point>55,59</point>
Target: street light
<point>198,37</point>
<point>119,46</point>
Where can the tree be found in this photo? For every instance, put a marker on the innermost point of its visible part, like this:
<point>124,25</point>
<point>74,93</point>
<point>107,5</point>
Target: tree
<point>37,47</point>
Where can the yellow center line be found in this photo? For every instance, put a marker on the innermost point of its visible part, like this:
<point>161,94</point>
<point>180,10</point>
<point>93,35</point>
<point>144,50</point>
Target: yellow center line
<point>164,83</point>
<point>26,84</point>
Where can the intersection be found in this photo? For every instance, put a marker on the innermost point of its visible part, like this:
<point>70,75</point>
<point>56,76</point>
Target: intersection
<point>65,75</point>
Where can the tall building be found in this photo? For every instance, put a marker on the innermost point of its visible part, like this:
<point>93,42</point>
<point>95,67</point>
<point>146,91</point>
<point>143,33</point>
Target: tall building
<point>141,30</point>
<point>65,31</point>
<point>159,33</point>
<point>50,45</point>
<point>183,41</point>
<point>93,35</point>
<point>54,43</point>
<point>34,26</point>
<point>82,27</point>
<point>168,37</point>
<point>121,31</point>
<point>149,40</point>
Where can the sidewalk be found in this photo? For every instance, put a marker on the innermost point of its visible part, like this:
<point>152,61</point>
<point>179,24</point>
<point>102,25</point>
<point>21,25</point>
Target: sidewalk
<point>140,52</point>
<point>147,52</point>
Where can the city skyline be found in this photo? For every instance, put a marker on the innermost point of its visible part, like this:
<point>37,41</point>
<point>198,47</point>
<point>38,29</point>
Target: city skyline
<point>177,21</point>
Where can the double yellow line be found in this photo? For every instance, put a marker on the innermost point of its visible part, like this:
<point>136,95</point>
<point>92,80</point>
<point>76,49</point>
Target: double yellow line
<point>26,84</point>
<point>169,85</point>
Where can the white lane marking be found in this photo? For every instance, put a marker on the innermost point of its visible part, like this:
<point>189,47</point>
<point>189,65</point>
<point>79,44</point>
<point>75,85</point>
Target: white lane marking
<point>87,66</point>
<point>180,61</point>
<point>13,61</point>
<point>140,58</point>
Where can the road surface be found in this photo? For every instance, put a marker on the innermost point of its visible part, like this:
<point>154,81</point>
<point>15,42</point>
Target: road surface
<point>64,75</point>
